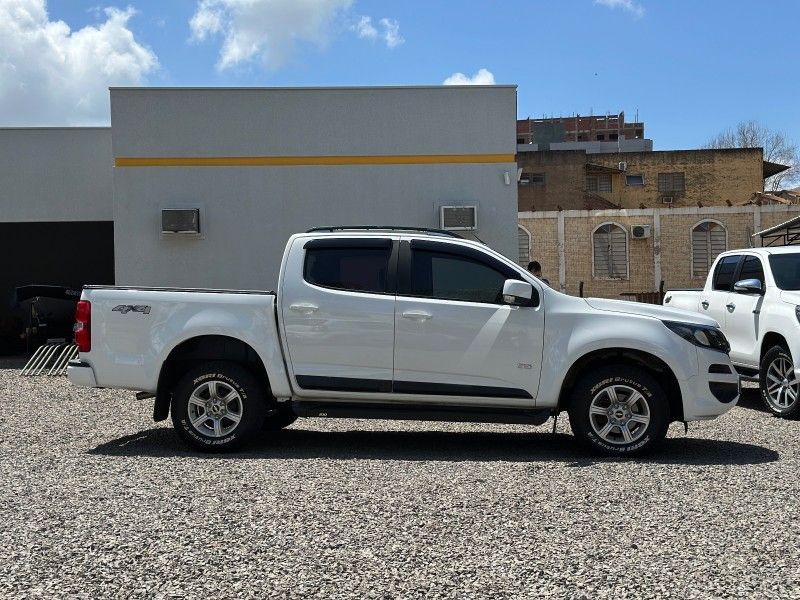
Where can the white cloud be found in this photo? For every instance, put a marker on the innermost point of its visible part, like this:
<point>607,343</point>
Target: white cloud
<point>482,77</point>
<point>629,5</point>
<point>51,75</point>
<point>264,29</point>
<point>389,33</point>
<point>365,29</point>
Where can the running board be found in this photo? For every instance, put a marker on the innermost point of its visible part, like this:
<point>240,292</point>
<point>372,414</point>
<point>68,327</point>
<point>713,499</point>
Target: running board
<point>416,412</point>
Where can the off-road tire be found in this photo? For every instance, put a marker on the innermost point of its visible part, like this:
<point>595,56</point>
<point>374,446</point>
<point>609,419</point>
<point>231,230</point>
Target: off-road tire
<point>594,386</point>
<point>252,406</point>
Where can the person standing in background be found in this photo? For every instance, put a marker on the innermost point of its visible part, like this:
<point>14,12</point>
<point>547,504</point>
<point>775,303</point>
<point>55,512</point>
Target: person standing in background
<point>536,270</point>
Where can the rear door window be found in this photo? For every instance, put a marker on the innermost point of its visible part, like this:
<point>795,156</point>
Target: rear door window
<point>723,274</point>
<point>353,268</point>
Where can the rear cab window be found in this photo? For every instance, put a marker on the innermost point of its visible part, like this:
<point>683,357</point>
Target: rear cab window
<point>786,270</point>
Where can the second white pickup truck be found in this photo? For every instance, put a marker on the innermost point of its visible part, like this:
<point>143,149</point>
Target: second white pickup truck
<point>754,295</point>
<point>406,324</point>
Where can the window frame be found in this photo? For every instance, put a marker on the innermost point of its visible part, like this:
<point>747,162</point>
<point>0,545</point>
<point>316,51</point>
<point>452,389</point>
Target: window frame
<point>627,184</point>
<point>405,265</point>
<point>627,253</point>
<point>355,244</point>
<point>691,246</point>
<point>597,177</point>
<point>670,176</point>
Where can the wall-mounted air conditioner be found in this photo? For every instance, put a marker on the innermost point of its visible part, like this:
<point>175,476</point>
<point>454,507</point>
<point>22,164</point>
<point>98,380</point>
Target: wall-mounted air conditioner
<point>667,199</point>
<point>623,166</point>
<point>180,220</point>
<point>458,218</point>
<point>640,232</point>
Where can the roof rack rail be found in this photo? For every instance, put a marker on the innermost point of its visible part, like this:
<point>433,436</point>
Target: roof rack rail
<point>384,228</point>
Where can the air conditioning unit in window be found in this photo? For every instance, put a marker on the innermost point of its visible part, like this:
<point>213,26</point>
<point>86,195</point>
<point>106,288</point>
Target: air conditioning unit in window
<point>667,199</point>
<point>458,218</point>
<point>640,232</point>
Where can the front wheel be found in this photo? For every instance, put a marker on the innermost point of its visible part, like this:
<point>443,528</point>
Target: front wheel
<point>619,410</point>
<point>218,406</point>
<point>780,388</point>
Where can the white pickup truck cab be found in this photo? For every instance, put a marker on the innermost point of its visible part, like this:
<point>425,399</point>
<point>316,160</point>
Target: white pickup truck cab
<point>406,324</point>
<point>754,295</point>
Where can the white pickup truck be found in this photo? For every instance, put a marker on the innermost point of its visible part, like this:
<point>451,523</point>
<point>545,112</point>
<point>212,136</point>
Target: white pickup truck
<point>406,324</point>
<point>754,295</point>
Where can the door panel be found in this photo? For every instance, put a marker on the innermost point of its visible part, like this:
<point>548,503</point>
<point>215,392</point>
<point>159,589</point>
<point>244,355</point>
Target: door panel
<point>338,318</point>
<point>713,303</point>
<point>454,337</point>
<point>468,349</point>
<point>743,321</point>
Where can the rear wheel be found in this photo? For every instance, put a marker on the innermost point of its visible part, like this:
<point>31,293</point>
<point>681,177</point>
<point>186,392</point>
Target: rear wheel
<point>218,406</point>
<point>780,388</point>
<point>619,409</point>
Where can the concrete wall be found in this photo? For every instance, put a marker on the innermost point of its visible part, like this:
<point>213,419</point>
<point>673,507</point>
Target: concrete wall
<point>55,174</point>
<point>666,255</point>
<point>248,212</point>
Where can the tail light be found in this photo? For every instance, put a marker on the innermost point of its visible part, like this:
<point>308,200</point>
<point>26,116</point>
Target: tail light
<point>83,326</point>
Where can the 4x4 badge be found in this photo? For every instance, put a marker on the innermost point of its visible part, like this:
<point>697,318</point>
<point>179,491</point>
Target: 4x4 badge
<point>137,308</point>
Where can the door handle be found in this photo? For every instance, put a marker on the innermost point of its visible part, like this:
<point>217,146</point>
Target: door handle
<point>730,306</point>
<point>704,304</point>
<point>417,315</point>
<point>304,308</point>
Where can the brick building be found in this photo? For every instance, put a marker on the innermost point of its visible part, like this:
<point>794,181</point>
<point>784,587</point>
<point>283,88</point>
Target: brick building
<point>575,180</point>
<point>578,128</point>
<point>677,245</point>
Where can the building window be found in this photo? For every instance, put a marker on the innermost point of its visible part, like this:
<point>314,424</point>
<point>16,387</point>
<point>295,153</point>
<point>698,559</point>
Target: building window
<point>709,239</point>
<point>524,245</point>
<point>671,182</point>
<point>520,140</point>
<point>610,252</point>
<point>634,180</point>
<point>532,179</point>
<point>598,183</point>
<point>600,137</point>
<point>613,136</point>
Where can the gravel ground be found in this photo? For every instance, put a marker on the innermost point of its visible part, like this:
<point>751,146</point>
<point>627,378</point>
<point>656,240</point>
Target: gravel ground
<point>98,501</point>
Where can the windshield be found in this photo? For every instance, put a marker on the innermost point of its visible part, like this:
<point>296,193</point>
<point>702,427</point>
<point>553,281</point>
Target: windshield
<point>786,270</point>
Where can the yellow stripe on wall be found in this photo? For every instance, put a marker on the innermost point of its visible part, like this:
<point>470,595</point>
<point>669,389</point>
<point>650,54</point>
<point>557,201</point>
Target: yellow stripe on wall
<point>295,161</point>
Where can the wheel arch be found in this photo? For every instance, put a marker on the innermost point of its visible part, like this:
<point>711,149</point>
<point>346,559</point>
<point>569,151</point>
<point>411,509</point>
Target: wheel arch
<point>637,358</point>
<point>197,350</point>
<point>770,339</point>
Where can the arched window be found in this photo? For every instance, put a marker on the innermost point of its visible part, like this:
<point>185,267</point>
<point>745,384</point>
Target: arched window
<point>610,252</point>
<point>709,239</point>
<point>524,245</point>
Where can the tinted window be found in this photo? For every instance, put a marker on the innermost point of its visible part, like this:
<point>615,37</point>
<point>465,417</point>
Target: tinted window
<point>451,277</point>
<point>786,270</point>
<point>354,269</point>
<point>752,269</point>
<point>723,274</point>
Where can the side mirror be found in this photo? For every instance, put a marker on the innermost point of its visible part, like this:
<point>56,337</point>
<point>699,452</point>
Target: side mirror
<point>517,293</point>
<point>748,286</point>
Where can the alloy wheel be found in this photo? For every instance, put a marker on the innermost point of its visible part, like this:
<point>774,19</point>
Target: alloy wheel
<point>619,414</point>
<point>783,387</point>
<point>215,408</point>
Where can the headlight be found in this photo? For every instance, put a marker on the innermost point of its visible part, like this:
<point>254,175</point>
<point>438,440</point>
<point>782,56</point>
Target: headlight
<point>700,335</point>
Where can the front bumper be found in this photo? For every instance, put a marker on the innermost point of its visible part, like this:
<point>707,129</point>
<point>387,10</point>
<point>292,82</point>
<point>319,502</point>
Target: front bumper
<point>714,390</point>
<point>81,373</point>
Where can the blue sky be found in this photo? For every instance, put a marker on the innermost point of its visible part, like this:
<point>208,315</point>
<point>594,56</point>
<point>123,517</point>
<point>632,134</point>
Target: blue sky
<point>690,68</point>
